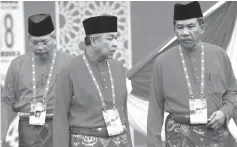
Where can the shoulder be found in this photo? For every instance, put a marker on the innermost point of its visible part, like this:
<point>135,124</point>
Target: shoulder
<point>115,62</point>
<point>166,56</point>
<point>66,56</point>
<point>118,68</point>
<point>20,59</point>
<point>74,62</point>
<point>213,48</point>
<point>215,51</point>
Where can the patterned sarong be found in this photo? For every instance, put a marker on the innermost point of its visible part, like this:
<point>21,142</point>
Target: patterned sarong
<point>35,136</point>
<point>180,135</point>
<point>78,140</point>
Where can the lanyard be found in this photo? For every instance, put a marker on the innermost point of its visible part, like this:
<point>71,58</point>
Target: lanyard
<point>48,80</point>
<point>186,73</point>
<point>96,83</point>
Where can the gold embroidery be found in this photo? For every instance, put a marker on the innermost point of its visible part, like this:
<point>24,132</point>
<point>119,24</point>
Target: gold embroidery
<point>91,141</point>
<point>105,141</point>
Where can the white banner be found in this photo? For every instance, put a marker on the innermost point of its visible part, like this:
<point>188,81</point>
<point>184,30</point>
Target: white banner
<point>232,49</point>
<point>12,33</point>
<point>12,30</point>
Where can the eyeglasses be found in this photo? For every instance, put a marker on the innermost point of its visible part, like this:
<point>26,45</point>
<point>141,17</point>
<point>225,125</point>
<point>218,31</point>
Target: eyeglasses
<point>43,42</point>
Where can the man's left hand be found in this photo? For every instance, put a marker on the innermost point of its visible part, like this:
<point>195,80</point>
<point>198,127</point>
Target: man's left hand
<point>216,120</point>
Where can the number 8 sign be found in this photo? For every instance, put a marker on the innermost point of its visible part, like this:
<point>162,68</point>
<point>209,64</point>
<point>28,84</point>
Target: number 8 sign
<point>8,25</point>
<point>12,31</point>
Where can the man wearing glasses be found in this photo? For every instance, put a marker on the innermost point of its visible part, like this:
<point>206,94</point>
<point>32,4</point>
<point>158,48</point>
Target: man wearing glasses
<point>29,85</point>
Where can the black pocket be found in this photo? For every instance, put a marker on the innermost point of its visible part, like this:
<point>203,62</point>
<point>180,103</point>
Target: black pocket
<point>56,78</point>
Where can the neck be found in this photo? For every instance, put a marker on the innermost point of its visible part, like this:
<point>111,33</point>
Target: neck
<point>93,56</point>
<point>196,47</point>
<point>44,60</point>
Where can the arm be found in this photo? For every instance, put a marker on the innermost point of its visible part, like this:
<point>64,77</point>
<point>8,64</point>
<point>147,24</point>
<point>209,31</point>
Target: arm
<point>63,94</point>
<point>156,108</point>
<point>8,99</point>
<point>229,97</point>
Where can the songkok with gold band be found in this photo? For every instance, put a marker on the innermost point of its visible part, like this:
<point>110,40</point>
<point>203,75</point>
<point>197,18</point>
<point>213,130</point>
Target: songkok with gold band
<point>188,11</point>
<point>40,25</point>
<point>100,24</point>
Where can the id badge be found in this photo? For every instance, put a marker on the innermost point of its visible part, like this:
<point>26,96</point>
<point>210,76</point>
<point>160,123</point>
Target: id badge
<point>37,114</point>
<point>198,111</point>
<point>113,122</point>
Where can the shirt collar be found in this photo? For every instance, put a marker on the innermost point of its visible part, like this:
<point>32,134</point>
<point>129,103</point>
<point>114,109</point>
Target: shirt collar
<point>93,62</point>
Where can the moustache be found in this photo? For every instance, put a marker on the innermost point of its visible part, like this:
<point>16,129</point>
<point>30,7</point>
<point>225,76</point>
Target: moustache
<point>183,40</point>
<point>40,53</point>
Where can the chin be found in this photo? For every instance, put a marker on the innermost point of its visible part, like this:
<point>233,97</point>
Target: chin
<point>187,45</point>
<point>110,57</point>
<point>43,56</point>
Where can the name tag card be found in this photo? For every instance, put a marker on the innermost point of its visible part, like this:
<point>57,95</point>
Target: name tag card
<point>37,113</point>
<point>198,111</point>
<point>113,122</point>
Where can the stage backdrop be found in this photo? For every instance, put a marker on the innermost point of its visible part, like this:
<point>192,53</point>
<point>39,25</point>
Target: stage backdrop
<point>143,26</point>
<point>69,17</point>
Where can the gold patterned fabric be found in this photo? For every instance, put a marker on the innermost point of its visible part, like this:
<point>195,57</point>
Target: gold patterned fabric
<point>180,135</point>
<point>79,140</point>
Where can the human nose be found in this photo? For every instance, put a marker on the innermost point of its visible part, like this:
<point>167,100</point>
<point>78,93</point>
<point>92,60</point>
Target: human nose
<point>115,43</point>
<point>185,32</point>
<point>40,46</point>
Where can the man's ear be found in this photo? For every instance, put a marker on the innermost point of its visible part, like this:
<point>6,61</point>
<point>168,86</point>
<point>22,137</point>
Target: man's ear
<point>92,40</point>
<point>174,29</point>
<point>54,36</point>
<point>203,27</point>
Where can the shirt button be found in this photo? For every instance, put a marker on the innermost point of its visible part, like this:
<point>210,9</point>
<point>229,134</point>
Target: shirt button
<point>197,77</point>
<point>195,69</point>
<point>31,142</point>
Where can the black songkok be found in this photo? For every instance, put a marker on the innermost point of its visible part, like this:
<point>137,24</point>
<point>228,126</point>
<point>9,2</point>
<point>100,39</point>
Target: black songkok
<point>40,25</point>
<point>100,24</point>
<point>188,11</point>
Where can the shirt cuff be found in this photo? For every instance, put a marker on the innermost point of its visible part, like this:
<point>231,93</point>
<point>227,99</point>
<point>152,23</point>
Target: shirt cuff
<point>228,113</point>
